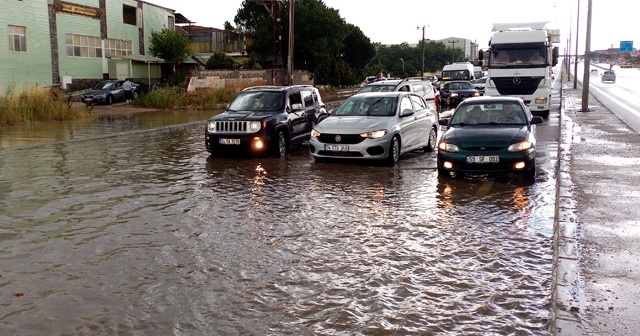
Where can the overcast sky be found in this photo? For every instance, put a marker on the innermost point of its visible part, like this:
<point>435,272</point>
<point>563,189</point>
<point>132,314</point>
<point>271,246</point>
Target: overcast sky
<point>394,22</point>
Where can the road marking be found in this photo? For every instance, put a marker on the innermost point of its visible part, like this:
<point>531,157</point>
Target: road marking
<point>627,107</point>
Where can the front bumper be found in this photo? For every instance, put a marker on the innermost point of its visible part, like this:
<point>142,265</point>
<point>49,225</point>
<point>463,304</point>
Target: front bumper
<point>506,164</point>
<point>235,143</point>
<point>367,149</point>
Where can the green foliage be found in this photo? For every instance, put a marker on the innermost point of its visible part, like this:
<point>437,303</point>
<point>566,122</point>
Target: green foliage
<point>220,60</point>
<point>336,52</point>
<point>169,97</point>
<point>34,104</point>
<point>170,45</point>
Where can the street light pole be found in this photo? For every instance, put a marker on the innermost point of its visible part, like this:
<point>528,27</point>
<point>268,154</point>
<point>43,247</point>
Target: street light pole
<point>587,62</point>
<point>422,69</point>
<point>453,47</point>
<point>402,66</point>
<point>575,61</point>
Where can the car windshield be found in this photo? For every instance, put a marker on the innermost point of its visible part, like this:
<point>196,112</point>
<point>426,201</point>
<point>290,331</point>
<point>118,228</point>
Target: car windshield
<point>367,106</point>
<point>460,86</point>
<point>489,113</point>
<point>378,88</point>
<point>103,86</point>
<point>263,101</point>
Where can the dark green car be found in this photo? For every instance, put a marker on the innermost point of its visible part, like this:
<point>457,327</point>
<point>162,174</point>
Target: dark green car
<point>489,135</point>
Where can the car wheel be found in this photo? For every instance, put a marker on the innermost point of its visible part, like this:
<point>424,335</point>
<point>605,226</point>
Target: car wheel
<point>431,142</point>
<point>135,95</point>
<point>394,151</point>
<point>109,100</point>
<point>530,174</point>
<point>280,148</point>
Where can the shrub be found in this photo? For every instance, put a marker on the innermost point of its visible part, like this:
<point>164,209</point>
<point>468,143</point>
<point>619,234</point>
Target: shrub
<point>33,104</point>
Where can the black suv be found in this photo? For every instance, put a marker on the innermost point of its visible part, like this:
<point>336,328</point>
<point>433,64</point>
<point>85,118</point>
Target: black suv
<point>266,119</point>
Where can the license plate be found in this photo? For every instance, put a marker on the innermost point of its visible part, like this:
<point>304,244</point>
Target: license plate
<point>336,148</point>
<point>229,141</point>
<point>483,159</point>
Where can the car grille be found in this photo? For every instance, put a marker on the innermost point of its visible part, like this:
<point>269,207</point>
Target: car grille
<point>345,139</point>
<point>232,127</point>
<point>527,85</point>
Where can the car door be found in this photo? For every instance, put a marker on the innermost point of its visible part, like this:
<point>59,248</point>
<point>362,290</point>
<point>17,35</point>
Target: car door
<point>298,116</point>
<point>117,91</point>
<point>408,125</point>
<point>425,116</point>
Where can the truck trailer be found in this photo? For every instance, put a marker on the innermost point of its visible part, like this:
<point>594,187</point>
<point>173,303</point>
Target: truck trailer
<point>521,58</point>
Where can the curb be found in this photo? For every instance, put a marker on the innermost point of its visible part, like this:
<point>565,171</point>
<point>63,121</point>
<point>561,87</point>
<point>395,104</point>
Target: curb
<point>566,307</point>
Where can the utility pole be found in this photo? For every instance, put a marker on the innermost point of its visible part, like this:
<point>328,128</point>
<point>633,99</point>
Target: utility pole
<point>422,73</point>
<point>292,5</point>
<point>575,61</point>
<point>453,43</point>
<point>587,63</point>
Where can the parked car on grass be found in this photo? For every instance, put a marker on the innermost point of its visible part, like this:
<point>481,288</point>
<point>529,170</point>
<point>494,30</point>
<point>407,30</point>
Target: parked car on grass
<point>376,126</point>
<point>265,119</point>
<point>108,92</point>
<point>489,135</point>
<point>454,92</point>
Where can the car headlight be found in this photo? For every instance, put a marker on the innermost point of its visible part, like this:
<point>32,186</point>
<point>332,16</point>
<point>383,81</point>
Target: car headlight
<point>447,147</point>
<point>254,126</point>
<point>100,95</point>
<point>211,126</point>
<point>374,135</point>
<point>453,94</point>
<point>541,100</point>
<point>475,94</point>
<point>314,133</point>
<point>520,146</point>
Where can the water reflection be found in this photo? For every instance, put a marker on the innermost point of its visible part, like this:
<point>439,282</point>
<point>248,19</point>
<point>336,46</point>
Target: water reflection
<point>102,124</point>
<point>146,233</point>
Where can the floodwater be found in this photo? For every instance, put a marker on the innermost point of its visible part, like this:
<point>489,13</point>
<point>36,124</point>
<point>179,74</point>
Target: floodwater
<point>144,233</point>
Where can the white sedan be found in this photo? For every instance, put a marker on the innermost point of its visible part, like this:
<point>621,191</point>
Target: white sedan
<point>376,126</point>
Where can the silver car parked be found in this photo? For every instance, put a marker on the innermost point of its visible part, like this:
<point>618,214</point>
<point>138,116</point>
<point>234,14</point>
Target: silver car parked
<point>376,126</point>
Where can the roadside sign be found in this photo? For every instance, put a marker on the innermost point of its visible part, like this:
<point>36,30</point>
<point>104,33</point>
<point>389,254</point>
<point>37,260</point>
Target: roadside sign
<point>626,46</point>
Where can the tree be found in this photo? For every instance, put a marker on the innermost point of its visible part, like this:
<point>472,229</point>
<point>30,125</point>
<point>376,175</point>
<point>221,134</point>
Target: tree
<point>220,60</point>
<point>170,45</point>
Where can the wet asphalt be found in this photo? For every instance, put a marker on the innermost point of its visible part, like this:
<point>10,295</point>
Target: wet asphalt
<point>597,227</point>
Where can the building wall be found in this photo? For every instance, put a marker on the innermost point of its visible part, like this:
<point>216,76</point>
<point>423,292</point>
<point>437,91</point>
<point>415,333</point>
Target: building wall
<point>70,66</point>
<point>32,67</point>
<point>48,23</point>
<point>218,79</point>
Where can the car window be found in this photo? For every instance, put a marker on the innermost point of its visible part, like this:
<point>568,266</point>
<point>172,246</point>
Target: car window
<point>307,98</point>
<point>405,104</point>
<point>258,101</point>
<point>367,106</point>
<point>295,98</point>
<point>418,103</point>
<point>404,88</point>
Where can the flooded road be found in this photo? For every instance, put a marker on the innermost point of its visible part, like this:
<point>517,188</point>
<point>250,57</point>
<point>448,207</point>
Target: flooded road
<point>142,232</point>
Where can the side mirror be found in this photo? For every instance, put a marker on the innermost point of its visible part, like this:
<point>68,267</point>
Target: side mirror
<point>296,107</point>
<point>536,120</point>
<point>443,122</point>
<point>406,113</point>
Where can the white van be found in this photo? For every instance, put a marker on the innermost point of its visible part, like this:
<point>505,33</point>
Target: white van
<point>457,71</point>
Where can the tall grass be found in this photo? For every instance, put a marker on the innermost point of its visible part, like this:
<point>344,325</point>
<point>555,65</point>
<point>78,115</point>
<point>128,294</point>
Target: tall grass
<point>172,98</point>
<point>37,103</point>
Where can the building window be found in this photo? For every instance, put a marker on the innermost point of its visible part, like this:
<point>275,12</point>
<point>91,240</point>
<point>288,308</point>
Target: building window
<point>83,46</point>
<point>172,22</point>
<point>17,38</point>
<point>129,15</point>
<point>118,48</point>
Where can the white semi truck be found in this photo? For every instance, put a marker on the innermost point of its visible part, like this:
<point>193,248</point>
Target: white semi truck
<point>521,58</point>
